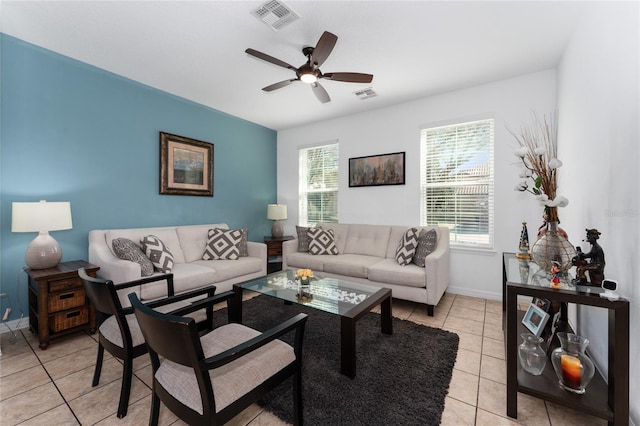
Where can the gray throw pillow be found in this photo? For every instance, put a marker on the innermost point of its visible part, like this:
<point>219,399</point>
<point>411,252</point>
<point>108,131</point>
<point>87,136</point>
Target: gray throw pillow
<point>222,244</point>
<point>427,243</point>
<point>303,238</point>
<point>321,241</point>
<point>126,249</point>
<point>407,247</point>
<point>242,245</point>
<point>158,253</point>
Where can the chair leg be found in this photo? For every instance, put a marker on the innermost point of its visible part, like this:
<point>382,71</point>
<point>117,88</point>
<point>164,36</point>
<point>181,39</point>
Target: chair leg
<point>98,370</point>
<point>155,410</point>
<point>297,399</point>
<point>127,373</point>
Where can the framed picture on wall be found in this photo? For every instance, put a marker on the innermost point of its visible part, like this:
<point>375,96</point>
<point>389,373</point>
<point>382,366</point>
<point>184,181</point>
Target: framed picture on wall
<point>376,170</point>
<point>186,166</point>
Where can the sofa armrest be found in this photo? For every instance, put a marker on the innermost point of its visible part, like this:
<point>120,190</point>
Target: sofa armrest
<point>258,250</point>
<point>111,267</point>
<point>289,246</point>
<point>436,268</point>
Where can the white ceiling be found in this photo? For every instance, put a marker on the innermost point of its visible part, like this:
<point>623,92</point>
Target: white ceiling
<point>196,49</point>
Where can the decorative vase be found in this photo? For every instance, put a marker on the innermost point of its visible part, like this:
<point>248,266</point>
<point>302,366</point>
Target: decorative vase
<point>533,358</point>
<point>553,247</point>
<point>573,367</point>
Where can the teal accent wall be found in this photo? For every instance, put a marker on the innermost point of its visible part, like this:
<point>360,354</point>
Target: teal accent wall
<point>73,132</point>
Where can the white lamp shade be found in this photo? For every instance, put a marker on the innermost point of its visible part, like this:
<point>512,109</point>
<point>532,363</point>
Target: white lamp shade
<point>42,216</point>
<point>277,211</point>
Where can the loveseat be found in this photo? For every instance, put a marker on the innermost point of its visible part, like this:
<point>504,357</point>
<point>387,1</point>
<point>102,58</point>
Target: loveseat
<point>187,246</point>
<point>368,254</point>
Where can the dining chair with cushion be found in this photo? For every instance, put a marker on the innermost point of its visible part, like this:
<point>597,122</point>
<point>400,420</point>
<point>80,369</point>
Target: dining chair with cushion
<point>209,379</point>
<point>119,332</point>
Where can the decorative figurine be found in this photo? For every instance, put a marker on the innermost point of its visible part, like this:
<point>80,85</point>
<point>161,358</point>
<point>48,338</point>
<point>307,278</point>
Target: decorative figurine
<point>555,276</point>
<point>523,255</point>
<point>595,265</point>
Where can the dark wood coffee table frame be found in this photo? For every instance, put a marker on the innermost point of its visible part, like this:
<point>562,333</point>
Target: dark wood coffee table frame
<point>348,321</point>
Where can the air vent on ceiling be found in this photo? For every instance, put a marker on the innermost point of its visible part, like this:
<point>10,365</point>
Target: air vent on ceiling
<point>275,14</point>
<point>366,93</point>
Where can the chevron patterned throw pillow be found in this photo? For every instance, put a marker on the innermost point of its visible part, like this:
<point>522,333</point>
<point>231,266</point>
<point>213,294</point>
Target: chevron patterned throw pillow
<point>407,247</point>
<point>223,244</point>
<point>321,241</point>
<point>158,253</point>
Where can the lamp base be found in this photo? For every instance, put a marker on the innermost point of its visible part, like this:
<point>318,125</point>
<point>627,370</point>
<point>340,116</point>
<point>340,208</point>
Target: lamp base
<point>44,252</point>
<point>277,230</point>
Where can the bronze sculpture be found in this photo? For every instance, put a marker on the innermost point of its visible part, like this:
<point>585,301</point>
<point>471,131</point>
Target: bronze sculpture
<point>595,264</point>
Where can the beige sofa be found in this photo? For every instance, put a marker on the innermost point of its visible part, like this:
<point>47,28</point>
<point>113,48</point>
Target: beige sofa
<point>187,245</point>
<point>367,254</point>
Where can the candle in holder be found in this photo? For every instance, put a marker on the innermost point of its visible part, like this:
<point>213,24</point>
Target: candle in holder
<point>571,371</point>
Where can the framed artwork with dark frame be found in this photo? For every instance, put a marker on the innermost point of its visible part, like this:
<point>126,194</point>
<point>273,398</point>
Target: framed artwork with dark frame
<point>377,170</point>
<point>186,166</point>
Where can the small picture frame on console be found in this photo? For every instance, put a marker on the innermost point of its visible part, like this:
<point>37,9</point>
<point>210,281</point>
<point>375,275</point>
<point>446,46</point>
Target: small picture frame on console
<point>543,304</point>
<point>535,319</point>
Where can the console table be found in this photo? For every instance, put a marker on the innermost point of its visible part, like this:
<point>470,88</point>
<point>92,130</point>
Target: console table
<point>607,400</point>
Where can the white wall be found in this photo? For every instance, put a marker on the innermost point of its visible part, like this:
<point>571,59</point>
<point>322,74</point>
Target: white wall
<point>396,129</point>
<point>598,104</point>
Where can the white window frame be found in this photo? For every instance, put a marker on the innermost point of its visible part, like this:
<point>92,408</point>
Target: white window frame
<point>323,186</point>
<point>466,182</point>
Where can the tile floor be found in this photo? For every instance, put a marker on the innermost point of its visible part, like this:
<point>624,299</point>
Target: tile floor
<point>54,386</point>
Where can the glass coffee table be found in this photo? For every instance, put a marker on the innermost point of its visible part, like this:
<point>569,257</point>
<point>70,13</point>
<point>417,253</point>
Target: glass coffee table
<point>349,300</point>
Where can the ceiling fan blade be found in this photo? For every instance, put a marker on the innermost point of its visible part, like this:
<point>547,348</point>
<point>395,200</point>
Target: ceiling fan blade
<point>324,47</point>
<point>270,59</point>
<point>349,77</point>
<point>279,85</point>
<point>320,93</point>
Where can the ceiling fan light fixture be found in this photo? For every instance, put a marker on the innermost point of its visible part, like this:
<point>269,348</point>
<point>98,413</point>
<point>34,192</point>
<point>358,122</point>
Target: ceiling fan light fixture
<point>308,78</point>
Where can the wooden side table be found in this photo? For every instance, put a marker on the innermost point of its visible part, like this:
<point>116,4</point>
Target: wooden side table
<point>57,302</point>
<point>274,252</point>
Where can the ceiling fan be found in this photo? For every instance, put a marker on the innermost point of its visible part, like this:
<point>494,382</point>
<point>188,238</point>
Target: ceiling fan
<point>310,71</point>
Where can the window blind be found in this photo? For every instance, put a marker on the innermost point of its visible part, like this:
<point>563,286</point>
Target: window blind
<point>318,184</point>
<point>457,181</point>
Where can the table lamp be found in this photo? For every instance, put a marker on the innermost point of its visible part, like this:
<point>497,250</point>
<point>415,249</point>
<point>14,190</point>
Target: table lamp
<point>277,212</point>
<point>44,251</point>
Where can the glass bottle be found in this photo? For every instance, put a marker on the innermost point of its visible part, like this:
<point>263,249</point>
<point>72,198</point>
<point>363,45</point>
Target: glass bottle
<point>533,358</point>
<point>571,364</point>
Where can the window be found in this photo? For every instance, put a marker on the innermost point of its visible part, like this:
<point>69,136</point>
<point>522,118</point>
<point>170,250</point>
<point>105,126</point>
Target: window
<point>457,181</point>
<point>318,184</point>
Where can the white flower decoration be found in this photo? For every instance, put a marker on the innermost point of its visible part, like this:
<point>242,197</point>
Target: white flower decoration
<point>539,151</point>
<point>554,163</point>
<point>521,152</point>
<point>521,186</point>
<point>525,173</point>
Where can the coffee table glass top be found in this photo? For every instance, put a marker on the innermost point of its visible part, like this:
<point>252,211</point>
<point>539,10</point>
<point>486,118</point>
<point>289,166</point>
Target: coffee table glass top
<point>325,294</point>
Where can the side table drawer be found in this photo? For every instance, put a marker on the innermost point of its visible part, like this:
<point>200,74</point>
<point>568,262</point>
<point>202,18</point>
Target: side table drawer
<point>62,285</point>
<point>66,300</point>
<point>274,250</point>
<point>68,319</point>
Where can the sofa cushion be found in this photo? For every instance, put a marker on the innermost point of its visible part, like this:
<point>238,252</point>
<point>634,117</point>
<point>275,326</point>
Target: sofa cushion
<point>228,269</point>
<point>321,241</point>
<point>242,246</point>
<point>427,243</point>
<point>350,265</point>
<point>407,247</point>
<point>126,249</point>
<point>158,253</point>
<point>222,244</point>
<point>340,232</point>
<point>371,240</point>
<point>168,236</point>
<point>307,261</point>
<point>193,239</point>
<point>388,271</point>
<point>186,276</point>
<point>303,238</point>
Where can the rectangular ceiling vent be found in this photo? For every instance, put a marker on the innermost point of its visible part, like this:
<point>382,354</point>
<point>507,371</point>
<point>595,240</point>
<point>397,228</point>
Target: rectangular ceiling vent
<point>275,14</point>
<point>366,93</point>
